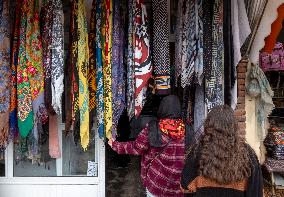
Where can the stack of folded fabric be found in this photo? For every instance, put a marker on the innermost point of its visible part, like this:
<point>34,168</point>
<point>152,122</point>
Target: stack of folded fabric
<point>274,143</point>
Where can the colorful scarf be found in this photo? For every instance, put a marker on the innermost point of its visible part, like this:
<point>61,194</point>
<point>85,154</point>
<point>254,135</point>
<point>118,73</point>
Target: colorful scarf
<point>14,63</point>
<point>118,72</point>
<point>92,61</point>
<point>214,86</point>
<point>130,90</point>
<point>142,57</point>
<point>4,72</point>
<point>161,47</point>
<point>175,128</point>
<point>82,69</point>
<point>99,70</point>
<point>57,61</point>
<point>107,70</point>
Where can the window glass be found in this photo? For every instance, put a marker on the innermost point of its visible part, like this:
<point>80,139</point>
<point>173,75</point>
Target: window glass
<point>2,164</point>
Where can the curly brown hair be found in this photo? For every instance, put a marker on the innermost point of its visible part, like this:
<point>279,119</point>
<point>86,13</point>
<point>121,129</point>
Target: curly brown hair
<point>224,157</point>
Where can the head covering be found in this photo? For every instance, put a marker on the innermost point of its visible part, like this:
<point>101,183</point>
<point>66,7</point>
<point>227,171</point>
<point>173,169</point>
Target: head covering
<point>170,108</point>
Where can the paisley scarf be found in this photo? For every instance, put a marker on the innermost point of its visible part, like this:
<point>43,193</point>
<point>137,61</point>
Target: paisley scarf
<point>82,69</point>
<point>161,47</point>
<point>92,60</point>
<point>99,70</point>
<point>4,72</point>
<point>107,70</point>
<point>57,61</point>
<point>142,57</point>
<point>214,86</point>
<point>130,91</point>
<point>118,72</point>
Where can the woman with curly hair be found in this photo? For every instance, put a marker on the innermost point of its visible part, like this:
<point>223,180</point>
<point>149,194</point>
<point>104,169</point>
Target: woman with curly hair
<point>221,164</point>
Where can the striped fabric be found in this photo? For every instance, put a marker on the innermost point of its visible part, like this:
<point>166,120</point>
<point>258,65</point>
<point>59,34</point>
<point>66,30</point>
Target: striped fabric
<point>160,174</point>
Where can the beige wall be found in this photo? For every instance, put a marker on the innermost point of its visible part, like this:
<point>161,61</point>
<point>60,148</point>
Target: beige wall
<point>270,14</point>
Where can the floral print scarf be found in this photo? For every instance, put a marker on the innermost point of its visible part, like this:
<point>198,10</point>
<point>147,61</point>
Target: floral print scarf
<point>4,72</point>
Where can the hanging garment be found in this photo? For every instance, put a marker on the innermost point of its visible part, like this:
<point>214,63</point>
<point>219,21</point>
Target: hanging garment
<point>130,90</point>
<point>241,30</point>
<point>118,72</point>
<point>82,69</point>
<point>192,43</point>
<point>30,76</point>
<point>46,35</point>
<point>99,70</point>
<point>214,83</point>
<point>57,55</point>
<point>92,61</point>
<point>107,70</point>
<point>54,148</point>
<point>199,107</point>
<point>161,47</point>
<point>4,72</point>
<point>14,63</point>
<point>178,40</point>
<point>142,58</point>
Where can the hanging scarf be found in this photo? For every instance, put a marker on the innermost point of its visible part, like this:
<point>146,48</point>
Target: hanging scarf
<point>46,35</point>
<point>92,61</point>
<point>192,43</point>
<point>178,43</point>
<point>14,63</point>
<point>107,70</point>
<point>142,58</point>
<point>57,54</point>
<point>82,69</point>
<point>118,72</point>
<point>99,70</point>
<point>130,63</point>
<point>4,72</point>
<point>214,86</point>
<point>54,147</point>
<point>161,47</point>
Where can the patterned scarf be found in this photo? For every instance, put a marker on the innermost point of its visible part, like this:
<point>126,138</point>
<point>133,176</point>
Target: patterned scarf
<point>82,69</point>
<point>175,128</point>
<point>107,70</point>
<point>4,72</point>
<point>57,61</point>
<point>130,91</point>
<point>99,71</point>
<point>142,58</point>
<point>161,47</point>
<point>92,61</point>
<point>118,72</point>
<point>14,64</point>
<point>214,87</point>
<point>192,43</point>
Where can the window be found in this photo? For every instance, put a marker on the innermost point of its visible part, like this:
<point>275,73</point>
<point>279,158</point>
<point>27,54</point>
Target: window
<point>2,164</point>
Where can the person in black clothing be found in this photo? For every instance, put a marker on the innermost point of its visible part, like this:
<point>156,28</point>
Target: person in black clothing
<point>220,163</point>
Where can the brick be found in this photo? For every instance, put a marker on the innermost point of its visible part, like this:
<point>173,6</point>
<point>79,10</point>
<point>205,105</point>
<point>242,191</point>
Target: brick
<point>241,75</point>
<point>241,82</point>
<point>241,69</point>
<point>241,93</point>
<point>242,125</point>
<point>244,61</point>
<point>241,87</point>
<point>240,112</point>
<point>242,133</point>
<point>241,99</point>
<point>241,106</point>
<point>241,118</point>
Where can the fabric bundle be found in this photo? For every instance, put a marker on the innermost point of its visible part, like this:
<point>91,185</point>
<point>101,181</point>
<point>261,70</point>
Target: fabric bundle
<point>161,48</point>
<point>4,72</point>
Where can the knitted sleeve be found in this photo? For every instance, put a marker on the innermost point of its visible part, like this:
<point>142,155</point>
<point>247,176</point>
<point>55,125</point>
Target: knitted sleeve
<point>137,147</point>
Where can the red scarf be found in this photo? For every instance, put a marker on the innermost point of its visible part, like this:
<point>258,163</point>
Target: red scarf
<point>175,128</point>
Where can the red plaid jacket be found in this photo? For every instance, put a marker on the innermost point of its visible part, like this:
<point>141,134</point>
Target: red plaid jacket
<point>160,167</point>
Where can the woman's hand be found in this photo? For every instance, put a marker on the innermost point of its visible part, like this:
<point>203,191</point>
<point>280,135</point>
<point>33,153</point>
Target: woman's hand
<point>110,141</point>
